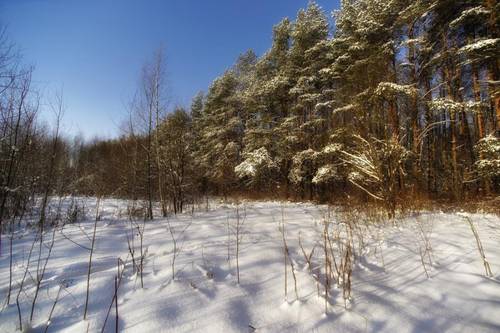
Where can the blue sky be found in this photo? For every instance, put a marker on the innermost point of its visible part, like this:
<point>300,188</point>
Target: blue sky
<point>94,49</point>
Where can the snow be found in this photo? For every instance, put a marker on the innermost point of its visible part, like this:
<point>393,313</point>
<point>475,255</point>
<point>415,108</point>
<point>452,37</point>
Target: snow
<point>332,148</point>
<point>390,290</point>
<point>439,104</point>
<point>478,12</point>
<point>276,83</point>
<point>301,165</point>
<point>322,105</point>
<point>326,174</point>
<point>452,106</point>
<point>412,41</point>
<point>488,149</point>
<point>390,89</point>
<point>483,45</point>
<point>345,108</point>
<point>256,160</point>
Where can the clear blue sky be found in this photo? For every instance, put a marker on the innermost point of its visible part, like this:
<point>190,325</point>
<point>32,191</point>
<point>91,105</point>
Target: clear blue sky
<point>94,49</point>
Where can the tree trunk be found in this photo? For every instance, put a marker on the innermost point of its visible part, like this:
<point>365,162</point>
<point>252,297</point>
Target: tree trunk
<point>414,107</point>
<point>448,77</point>
<point>479,121</point>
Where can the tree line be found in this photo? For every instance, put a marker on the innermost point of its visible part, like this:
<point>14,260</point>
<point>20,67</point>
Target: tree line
<point>399,99</point>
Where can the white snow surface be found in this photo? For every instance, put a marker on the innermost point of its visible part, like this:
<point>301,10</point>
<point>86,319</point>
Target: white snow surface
<point>390,290</point>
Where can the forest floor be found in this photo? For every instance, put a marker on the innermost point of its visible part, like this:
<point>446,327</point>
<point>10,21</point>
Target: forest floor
<point>419,273</point>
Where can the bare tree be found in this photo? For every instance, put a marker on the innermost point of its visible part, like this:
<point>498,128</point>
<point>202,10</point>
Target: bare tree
<point>176,137</point>
<point>17,119</point>
<point>156,92</point>
<point>58,109</point>
<point>150,107</point>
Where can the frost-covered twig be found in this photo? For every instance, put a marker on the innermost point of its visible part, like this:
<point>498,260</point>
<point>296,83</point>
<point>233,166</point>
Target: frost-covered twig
<point>240,221</point>
<point>90,259</point>
<point>175,239</point>
<point>118,280</point>
<point>480,248</point>
<point>41,274</point>
<point>52,309</point>
<point>26,270</point>
<point>308,259</point>
<point>286,254</point>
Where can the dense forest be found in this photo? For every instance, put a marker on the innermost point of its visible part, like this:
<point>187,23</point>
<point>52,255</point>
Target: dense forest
<point>398,99</point>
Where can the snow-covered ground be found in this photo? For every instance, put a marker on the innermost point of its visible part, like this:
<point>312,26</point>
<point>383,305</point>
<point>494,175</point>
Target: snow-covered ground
<point>391,290</point>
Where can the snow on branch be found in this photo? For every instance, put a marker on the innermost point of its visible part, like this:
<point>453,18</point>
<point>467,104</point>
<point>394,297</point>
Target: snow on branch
<point>392,90</point>
<point>488,149</point>
<point>446,104</point>
<point>254,163</point>
<point>482,46</point>
<point>478,13</point>
<point>302,165</point>
<point>345,108</point>
<point>326,174</point>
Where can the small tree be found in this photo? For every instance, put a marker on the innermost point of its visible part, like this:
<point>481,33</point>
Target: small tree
<point>488,164</point>
<point>377,169</point>
<point>175,132</point>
